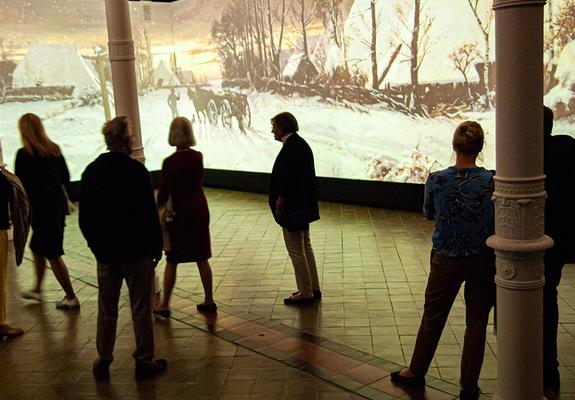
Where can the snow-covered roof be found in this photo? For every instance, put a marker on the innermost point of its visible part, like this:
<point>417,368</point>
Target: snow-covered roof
<point>292,64</point>
<point>54,65</point>
<point>163,76</point>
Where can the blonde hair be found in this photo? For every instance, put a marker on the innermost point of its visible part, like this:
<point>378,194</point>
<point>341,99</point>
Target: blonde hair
<point>181,133</point>
<point>468,138</point>
<point>34,138</point>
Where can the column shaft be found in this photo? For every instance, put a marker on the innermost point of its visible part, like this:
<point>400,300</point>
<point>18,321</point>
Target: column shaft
<point>122,58</point>
<point>519,199</point>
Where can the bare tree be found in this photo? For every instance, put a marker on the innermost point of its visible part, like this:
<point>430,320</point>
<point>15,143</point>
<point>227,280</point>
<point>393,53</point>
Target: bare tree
<point>304,13</point>
<point>144,58</point>
<point>372,44</point>
<point>551,36</point>
<point>241,40</point>
<point>484,22</point>
<point>374,50</point>
<point>276,49</point>
<point>333,18</point>
<point>417,41</point>
<point>463,58</point>
<point>6,68</point>
<point>231,43</point>
<point>564,25</point>
<point>103,81</point>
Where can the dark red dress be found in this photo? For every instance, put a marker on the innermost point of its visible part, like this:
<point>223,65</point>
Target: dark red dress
<point>182,178</point>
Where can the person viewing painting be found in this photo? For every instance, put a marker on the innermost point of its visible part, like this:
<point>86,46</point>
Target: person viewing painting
<point>185,215</point>
<point>42,169</point>
<point>459,200</point>
<point>118,219</point>
<point>15,214</point>
<point>293,202</point>
<point>559,221</point>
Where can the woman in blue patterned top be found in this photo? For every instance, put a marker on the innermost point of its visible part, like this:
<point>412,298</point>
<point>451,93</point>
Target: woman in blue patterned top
<point>459,200</point>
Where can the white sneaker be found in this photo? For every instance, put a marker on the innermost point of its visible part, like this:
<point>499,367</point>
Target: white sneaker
<point>30,295</point>
<point>68,304</point>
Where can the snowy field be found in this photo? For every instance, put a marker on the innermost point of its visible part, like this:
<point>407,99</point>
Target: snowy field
<point>344,142</point>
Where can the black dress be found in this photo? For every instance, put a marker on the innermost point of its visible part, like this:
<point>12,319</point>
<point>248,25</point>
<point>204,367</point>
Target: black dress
<point>43,178</point>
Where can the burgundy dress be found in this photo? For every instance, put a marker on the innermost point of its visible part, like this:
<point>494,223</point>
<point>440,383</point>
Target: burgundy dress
<point>182,178</point>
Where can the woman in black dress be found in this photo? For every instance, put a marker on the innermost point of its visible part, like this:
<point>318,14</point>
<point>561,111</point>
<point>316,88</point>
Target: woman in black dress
<point>44,174</point>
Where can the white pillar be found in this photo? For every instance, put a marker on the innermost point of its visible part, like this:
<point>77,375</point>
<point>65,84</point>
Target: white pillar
<point>122,58</point>
<point>519,239</point>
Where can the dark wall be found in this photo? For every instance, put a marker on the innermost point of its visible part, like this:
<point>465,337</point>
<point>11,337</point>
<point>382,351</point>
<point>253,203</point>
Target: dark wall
<point>400,196</point>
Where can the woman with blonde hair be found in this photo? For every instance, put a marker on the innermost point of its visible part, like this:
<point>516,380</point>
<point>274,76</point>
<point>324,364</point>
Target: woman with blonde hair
<point>187,219</point>
<point>44,174</point>
<point>459,200</point>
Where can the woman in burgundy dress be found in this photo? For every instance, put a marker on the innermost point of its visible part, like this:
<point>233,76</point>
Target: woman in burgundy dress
<point>189,226</point>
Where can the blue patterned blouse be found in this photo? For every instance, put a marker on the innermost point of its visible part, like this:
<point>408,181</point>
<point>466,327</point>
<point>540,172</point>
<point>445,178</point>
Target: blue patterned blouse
<point>459,200</point>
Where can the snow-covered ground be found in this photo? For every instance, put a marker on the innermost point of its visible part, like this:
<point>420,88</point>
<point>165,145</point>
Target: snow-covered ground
<point>345,142</point>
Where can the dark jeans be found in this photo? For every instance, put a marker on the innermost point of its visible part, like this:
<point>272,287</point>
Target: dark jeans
<point>139,277</point>
<point>446,276</point>
<point>554,263</point>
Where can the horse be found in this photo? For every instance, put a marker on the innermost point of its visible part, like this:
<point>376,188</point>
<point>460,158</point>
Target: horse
<point>200,98</point>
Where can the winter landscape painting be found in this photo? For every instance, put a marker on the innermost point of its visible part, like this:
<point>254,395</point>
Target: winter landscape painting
<point>377,85</point>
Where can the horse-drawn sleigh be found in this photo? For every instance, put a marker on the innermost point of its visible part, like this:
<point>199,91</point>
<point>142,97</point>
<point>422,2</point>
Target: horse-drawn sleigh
<point>223,107</point>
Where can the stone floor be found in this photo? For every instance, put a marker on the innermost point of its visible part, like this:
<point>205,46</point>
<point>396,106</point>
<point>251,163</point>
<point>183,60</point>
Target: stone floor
<point>373,267</point>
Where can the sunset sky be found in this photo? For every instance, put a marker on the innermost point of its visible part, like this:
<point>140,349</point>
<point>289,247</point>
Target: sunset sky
<point>83,22</point>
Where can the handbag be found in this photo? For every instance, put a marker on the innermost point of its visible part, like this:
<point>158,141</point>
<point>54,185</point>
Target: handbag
<point>167,215</point>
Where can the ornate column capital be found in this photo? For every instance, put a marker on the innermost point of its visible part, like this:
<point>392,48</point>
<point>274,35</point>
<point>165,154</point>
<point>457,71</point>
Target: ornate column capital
<point>499,4</point>
<point>520,215</point>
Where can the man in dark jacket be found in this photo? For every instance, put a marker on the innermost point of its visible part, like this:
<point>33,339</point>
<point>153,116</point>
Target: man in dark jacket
<point>293,201</point>
<point>119,220</point>
<point>559,223</point>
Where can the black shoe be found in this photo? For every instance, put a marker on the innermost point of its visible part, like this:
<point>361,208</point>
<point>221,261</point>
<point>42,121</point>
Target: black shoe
<point>164,312</point>
<point>101,371</point>
<point>551,380</point>
<point>207,308</point>
<point>148,369</point>
<point>316,294</point>
<point>297,301</point>
<point>408,381</point>
<point>551,394</point>
<point>469,394</point>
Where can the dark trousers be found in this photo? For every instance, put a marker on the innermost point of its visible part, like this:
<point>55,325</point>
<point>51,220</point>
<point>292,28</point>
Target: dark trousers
<point>139,277</point>
<point>554,263</point>
<point>446,276</point>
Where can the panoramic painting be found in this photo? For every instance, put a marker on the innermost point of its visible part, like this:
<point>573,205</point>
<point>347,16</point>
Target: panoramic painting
<point>377,85</point>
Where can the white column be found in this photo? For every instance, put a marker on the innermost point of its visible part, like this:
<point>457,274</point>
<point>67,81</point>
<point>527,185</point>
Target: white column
<point>519,239</point>
<point>122,58</point>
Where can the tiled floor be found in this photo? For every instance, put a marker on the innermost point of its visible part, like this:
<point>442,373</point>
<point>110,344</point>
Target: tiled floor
<point>373,265</point>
